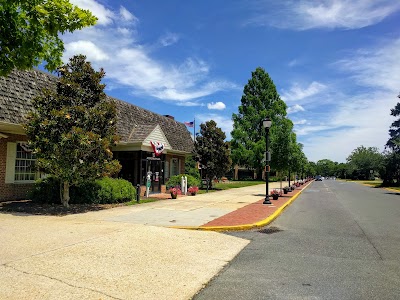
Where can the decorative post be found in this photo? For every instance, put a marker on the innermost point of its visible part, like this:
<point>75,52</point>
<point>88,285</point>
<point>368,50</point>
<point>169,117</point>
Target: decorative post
<point>267,125</point>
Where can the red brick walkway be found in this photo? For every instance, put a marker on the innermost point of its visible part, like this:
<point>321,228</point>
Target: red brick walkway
<point>252,213</point>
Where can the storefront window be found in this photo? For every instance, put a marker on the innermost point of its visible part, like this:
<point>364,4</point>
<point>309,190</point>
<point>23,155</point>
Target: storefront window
<point>174,167</point>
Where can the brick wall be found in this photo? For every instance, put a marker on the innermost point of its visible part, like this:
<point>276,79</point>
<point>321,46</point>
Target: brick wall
<point>11,191</point>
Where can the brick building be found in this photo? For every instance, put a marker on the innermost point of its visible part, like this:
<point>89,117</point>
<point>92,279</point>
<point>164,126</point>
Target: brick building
<point>138,129</point>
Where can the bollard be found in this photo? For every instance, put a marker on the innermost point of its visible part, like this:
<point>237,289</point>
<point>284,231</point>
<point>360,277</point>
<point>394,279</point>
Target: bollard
<point>137,193</point>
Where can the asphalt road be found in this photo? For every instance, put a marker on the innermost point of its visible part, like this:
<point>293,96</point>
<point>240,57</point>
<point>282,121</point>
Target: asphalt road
<point>338,240</point>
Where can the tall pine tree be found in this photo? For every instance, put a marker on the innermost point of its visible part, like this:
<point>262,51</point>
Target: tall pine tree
<point>259,100</point>
<point>392,158</point>
<point>394,131</point>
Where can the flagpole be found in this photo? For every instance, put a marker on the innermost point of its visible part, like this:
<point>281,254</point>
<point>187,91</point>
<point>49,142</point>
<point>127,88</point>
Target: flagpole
<point>194,129</point>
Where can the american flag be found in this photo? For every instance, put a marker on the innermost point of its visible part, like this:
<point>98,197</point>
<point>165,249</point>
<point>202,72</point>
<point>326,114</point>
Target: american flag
<point>189,124</point>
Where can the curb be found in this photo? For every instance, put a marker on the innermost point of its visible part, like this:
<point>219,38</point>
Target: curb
<point>244,227</point>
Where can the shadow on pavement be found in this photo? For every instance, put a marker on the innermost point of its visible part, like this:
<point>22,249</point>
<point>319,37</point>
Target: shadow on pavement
<point>31,208</point>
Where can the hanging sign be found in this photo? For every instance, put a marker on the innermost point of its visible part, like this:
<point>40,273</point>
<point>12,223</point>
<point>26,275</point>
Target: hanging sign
<point>158,147</point>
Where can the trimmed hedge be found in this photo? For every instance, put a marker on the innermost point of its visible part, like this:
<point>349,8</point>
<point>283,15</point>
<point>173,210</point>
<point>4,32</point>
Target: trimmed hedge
<point>101,191</point>
<point>176,181</point>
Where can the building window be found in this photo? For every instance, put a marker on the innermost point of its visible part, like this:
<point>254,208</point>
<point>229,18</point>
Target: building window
<point>24,163</point>
<point>174,167</point>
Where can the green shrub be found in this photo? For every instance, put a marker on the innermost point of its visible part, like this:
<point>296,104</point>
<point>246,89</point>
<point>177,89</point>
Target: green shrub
<point>46,190</point>
<point>115,191</point>
<point>102,191</point>
<point>176,181</point>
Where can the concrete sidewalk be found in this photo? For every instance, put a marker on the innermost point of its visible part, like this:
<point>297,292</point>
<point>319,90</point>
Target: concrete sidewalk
<point>233,209</point>
<point>119,254</point>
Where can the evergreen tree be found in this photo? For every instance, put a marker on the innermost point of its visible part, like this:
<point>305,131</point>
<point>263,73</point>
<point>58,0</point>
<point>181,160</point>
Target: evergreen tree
<point>394,131</point>
<point>391,170</point>
<point>29,32</point>
<point>259,100</point>
<point>72,129</point>
<point>212,151</point>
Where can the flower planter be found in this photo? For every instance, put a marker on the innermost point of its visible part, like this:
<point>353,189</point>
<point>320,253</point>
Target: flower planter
<point>193,190</point>
<point>275,196</point>
<point>173,196</point>
<point>285,191</point>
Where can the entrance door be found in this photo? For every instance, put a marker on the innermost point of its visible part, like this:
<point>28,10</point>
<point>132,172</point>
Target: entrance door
<point>155,168</point>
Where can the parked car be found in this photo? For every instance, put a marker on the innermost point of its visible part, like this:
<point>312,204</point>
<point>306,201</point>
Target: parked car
<point>318,178</point>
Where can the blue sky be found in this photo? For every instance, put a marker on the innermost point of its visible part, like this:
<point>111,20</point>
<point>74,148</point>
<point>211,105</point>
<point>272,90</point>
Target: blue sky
<point>336,63</point>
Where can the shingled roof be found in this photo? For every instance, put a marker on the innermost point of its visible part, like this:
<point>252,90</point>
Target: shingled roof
<point>20,87</point>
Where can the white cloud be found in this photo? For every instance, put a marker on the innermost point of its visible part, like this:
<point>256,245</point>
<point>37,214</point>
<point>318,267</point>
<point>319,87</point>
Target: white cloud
<point>308,14</point>
<point>293,63</point>
<point>169,39</point>
<point>358,120</point>
<point>223,122</point>
<point>104,15</point>
<point>127,15</point>
<point>216,105</point>
<point>93,53</point>
<point>360,116</point>
<point>130,64</point>
<point>300,122</point>
<point>297,93</point>
<point>190,103</point>
<point>295,108</point>
<point>377,67</point>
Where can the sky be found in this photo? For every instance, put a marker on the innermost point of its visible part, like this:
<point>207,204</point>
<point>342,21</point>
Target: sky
<point>336,63</point>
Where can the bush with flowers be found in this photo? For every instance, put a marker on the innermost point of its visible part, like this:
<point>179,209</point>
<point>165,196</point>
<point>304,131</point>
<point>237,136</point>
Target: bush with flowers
<point>193,190</point>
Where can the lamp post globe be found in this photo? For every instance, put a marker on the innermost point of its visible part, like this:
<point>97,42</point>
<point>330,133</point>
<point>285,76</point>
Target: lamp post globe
<point>267,122</point>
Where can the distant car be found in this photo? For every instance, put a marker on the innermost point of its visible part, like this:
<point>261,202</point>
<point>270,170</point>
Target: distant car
<point>318,178</point>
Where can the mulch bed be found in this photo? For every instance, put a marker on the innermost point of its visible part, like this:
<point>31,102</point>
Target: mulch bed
<point>32,208</point>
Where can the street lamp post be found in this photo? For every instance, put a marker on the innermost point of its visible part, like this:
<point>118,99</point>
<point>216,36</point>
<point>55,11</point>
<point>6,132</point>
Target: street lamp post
<point>267,125</point>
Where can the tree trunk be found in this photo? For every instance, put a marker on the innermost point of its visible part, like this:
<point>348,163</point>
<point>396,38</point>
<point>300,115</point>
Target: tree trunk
<point>65,194</point>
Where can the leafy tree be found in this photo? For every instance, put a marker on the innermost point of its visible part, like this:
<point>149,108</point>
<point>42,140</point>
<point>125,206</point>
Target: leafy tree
<point>390,171</point>
<point>72,129</point>
<point>362,160</point>
<point>296,157</point>
<point>326,167</point>
<point>259,100</point>
<point>311,169</point>
<point>280,144</point>
<point>293,148</point>
<point>212,151</point>
<point>29,32</point>
<point>342,171</point>
<point>191,167</point>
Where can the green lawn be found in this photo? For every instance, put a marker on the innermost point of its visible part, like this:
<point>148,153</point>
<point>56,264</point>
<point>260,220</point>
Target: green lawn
<point>377,184</point>
<point>235,184</point>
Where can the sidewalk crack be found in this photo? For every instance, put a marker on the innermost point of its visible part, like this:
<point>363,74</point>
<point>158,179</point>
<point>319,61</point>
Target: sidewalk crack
<point>61,281</point>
